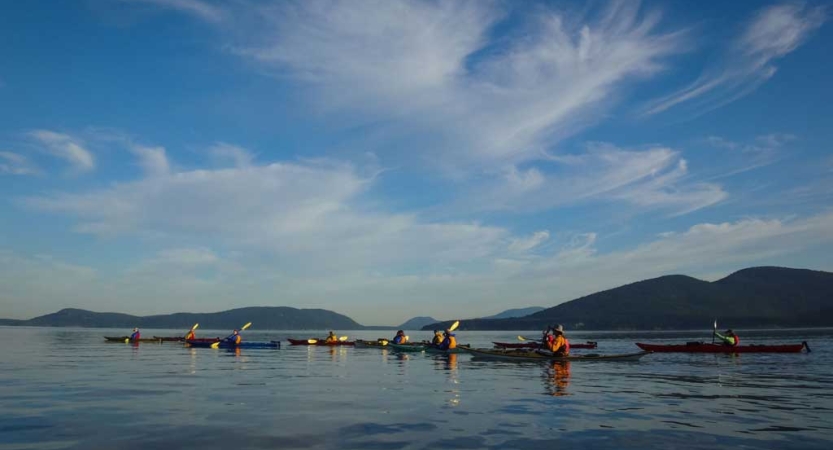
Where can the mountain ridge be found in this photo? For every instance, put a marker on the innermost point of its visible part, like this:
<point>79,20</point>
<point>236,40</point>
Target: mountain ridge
<point>754,297</point>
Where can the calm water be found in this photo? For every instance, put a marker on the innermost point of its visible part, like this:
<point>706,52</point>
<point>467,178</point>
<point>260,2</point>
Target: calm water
<point>67,388</point>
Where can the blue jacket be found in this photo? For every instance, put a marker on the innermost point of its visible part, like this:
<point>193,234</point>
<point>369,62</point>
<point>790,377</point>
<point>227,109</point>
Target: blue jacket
<point>398,339</point>
<point>135,335</point>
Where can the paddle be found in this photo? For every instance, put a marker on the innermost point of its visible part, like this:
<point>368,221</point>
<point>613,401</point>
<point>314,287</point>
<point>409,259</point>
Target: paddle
<point>196,325</point>
<point>454,326</point>
<point>217,344</point>
<point>714,330</point>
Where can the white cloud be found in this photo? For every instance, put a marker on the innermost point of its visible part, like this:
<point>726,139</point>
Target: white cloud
<point>772,33</point>
<point>152,159</point>
<point>65,147</point>
<point>528,243</point>
<point>444,89</point>
<point>16,164</point>
<point>655,178</point>
<point>202,10</point>
<point>239,156</point>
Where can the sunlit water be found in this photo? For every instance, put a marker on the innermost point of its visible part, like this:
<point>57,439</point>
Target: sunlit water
<point>67,388</point>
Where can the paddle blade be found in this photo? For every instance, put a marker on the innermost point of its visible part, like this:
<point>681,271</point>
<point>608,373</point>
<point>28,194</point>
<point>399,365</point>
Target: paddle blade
<point>454,326</point>
<point>715,324</point>
<point>127,340</point>
<point>521,338</point>
<point>216,345</point>
<point>343,338</point>
<point>312,341</point>
<point>245,326</point>
<point>196,325</point>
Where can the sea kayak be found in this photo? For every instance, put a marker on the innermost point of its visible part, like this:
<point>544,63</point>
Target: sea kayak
<point>203,344</point>
<point>589,344</point>
<point>419,347</point>
<point>524,355</point>
<point>319,342</point>
<point>127,339</point>
<point>705,347</point>
<point>379,343</point>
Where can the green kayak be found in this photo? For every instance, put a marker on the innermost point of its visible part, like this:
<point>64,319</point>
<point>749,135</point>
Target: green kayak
<point>527,355</point>
<point>427,348</point>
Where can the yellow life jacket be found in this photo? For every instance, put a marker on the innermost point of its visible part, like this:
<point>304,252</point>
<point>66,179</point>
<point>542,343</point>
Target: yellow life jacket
<point>438,339</point>
<point>452,342</point>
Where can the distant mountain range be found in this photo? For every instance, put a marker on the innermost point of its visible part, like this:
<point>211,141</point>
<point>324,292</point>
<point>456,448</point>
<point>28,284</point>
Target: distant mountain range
<point>755,297</point>
<point>265,318</point>
<point>517,312</point>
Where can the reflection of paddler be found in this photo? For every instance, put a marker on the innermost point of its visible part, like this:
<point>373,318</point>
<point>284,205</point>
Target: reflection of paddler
<point>451,363</point>
<point>561,377</point>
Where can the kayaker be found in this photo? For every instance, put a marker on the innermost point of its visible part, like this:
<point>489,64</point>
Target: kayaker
<point>559,344</point>
<point>438,338</point>
<point>449,341</point>
<point>235,338</point>
<point>136,335</point>
<point>190,335</point>
<point>400,338</point>
<point>730,338</point>
<point>331,338</point>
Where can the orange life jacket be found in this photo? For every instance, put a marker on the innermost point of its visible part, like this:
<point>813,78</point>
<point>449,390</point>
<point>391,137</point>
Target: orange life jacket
<point>452,342</point>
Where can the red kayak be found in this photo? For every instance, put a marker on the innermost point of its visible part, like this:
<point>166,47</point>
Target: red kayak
<point>589,344</point>
<point>320,342</point>
<point>705,347</point>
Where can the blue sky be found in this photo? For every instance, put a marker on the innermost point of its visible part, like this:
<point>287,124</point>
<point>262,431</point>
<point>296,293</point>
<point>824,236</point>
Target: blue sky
<point>393,159</point>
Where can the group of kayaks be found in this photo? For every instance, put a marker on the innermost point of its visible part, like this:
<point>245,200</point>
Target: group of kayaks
<point>527,350</point>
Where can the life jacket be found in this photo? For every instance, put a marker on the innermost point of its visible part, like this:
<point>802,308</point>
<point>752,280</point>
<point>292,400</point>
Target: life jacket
<point>452,342</point>
<point>135,336</point>
<point>332,339</point>
<point>438,339</point>
<point>190,335</point>
<point>399,340</point>
<point>737,341</point>
<point>560,345</point>
<point>236,339</point>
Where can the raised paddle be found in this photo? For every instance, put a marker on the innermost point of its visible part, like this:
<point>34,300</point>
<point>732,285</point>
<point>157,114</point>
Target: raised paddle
<point>196,325</point>
<point>454,326</point>
<point>714,330</point>
<point>217,344</point>
<point>342,339</point>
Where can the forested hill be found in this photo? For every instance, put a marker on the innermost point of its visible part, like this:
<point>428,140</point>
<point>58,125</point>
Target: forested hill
<point>754,297</point>
<point>263,318</point>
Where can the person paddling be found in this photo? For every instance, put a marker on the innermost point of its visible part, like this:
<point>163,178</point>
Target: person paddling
<point>731,339</point>
<point>400,338</point>
<point>136,335</point>
<point>190,336</point>
<point>559,345</point>
<point>235,338</point>
<point>449,341</point>
<point>331,338</point>
<point>438,338</point>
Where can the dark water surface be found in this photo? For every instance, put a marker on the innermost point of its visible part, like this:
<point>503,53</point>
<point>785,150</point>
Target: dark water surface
<point>67,388</point>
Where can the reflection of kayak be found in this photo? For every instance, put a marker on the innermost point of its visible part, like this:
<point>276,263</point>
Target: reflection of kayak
<point>704,347</point>
<point>320,342</point>
<point>524,355</point>
<point>204,344</point>
<point>127,338</point>
<point>589,344</point>
<point>416,347</point>
<point>170,338</point>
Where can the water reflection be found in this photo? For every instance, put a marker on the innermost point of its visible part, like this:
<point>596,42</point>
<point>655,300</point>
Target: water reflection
<point>557,378</point>
<point>448,364</point>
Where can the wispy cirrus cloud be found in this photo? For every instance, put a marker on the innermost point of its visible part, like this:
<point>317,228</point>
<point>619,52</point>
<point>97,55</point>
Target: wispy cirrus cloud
<point>772,33</point>
<point>66,147</point>
<point>203,10</point>
<point>652,179</point>
<point>12,163</point>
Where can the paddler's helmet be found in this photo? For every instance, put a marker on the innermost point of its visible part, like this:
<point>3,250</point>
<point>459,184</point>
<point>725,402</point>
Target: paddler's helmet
<point>135,329</point>
<point>400,332</point>
<point>236,331</point>
<point>559,328</point>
